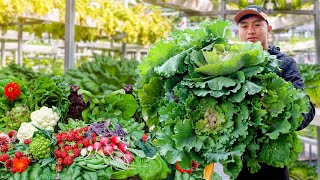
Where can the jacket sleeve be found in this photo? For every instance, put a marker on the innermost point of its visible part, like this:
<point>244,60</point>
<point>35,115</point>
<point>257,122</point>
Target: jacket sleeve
<point>308,117</point>
<point>290,72</point>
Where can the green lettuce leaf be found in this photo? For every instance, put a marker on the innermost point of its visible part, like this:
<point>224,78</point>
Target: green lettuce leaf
<point>220,102</point>
<point>148,97</point>
<point>166,145</point>
<point>157,55</point>
<point>173,65</point>
<point>125,103</point>
<point>185,137</point>
<point>240,55</point>
<point>276,152</point>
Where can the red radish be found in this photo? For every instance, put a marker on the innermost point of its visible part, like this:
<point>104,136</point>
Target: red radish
<point>118,153</point>
<point>104,140</point>
<point>90,148</point>
<point>96,146</point>
<point>100,152</point>
<point>108,150</point>
<point>114,146</point>
<point>115,139</point>
<point>127,157</point>
<point>122,147</point>
<point>83,152</point>
<point>119,160</point>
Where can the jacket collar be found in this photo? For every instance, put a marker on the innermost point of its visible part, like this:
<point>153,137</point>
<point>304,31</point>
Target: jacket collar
<point>273,50</point>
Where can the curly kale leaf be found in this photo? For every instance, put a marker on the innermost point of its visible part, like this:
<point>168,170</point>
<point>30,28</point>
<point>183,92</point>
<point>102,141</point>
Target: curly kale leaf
<point>50,92</point>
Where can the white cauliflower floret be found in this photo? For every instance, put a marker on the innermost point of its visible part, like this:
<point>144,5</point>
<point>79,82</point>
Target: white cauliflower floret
<point>25,131</point>
<point>45,118</point>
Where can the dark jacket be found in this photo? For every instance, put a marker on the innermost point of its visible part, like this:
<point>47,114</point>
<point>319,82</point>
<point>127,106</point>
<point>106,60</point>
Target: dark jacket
<point>291,73</point>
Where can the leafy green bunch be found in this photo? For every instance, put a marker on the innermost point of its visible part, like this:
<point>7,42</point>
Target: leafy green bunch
<point>52,92</point>
<point>16,72</point>
<point>103,75</point>
<point>212,101</point>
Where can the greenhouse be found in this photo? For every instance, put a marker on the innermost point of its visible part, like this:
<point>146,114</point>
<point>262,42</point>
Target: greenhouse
<point>160,89</point>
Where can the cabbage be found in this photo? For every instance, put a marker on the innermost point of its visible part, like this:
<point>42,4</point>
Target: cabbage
<point>212,101</point>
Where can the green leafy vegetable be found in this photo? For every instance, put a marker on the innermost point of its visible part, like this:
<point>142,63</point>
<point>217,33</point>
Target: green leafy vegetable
<point>103,75</point>
<point>212,101</point>
<point>50,92</point>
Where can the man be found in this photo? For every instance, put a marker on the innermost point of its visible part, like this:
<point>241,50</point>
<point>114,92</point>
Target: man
<point>254,26</point>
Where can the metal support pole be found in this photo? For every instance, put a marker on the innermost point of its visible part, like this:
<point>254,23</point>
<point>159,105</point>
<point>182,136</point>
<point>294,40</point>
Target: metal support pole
<point>38,59</point>
<point>125,3</point>
<point>138,55</point>
<point>223,9</point>
<point>69,35</point>
<point>16,56</point>
<point>3,57</point>
<point>123,45</point>
<point>20,41</point>
<point>317,31</point>
<point>317,52</point>
<point>123,49</point>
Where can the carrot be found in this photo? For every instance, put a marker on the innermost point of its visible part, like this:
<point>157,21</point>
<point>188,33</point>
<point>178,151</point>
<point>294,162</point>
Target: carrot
<point>208,171</point>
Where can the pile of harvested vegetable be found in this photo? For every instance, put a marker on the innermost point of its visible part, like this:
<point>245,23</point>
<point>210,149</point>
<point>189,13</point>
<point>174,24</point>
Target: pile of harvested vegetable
<point>199,100</point>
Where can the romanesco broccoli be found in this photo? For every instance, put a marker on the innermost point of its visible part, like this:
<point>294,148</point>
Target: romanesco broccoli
<point>40,147</point>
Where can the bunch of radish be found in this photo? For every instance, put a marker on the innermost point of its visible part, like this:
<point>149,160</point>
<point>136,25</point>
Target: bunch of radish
<point>112,146</point>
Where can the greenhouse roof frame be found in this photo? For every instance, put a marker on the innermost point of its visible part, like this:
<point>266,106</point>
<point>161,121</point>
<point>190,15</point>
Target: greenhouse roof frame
<point>29,16</point>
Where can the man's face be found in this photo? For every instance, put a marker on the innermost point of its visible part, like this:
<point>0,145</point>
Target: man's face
<point>255,29</point>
